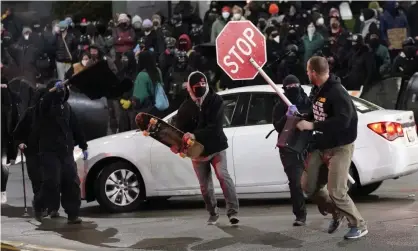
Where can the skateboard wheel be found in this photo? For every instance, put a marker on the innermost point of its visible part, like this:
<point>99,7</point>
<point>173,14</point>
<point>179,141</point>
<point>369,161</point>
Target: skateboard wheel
<point>153,121</point>
<point>190,142</point>
<point>182,155</point>
<point>145,133</point>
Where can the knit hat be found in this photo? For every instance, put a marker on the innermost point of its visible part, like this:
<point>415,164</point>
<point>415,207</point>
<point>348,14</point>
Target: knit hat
<point>123,18</point>
<point>63,25</point>
<point>156,16</point>
<point>238,9</point>
<point>69,20</point>
<point>333,12</point>
<point>291,81</point>
<point>136,19</point>
<point>273,9</point>
<point>374,5</point>
<point>226,9</point>
<point>26,30</point>
<point>197,84</point>
<point>147,23</point>
<point>368,14</point>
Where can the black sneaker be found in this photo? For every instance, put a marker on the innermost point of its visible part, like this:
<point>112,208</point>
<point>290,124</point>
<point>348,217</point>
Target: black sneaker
<point>299,222</point>
<point>233,220</point>
<point>38,214</point>
<point>322,209</point>
<point>335,224</point>
<point>74,220</point>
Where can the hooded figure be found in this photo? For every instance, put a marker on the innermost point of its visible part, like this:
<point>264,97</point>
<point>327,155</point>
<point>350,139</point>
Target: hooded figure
<point>123,35</point>
<point>198,87</point>
<point>178,26</point>
<point>153,39</point>
<point>392,18</point>
<point>370,22</point>
<point>361,65</point>
<point>293,163</point>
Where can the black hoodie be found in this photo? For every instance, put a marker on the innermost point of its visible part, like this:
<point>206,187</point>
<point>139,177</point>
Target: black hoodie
<point>334,114</point>
<point>205,123</point>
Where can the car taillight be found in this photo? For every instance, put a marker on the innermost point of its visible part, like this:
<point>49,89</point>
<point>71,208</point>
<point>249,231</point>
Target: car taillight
<point>388,130</point>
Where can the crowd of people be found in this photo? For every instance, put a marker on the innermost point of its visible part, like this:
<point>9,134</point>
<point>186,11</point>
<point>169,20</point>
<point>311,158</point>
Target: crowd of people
<point>157,50</point>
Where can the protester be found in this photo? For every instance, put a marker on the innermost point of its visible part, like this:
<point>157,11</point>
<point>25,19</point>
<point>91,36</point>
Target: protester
<point>220,23</point>
<point>66,46</point>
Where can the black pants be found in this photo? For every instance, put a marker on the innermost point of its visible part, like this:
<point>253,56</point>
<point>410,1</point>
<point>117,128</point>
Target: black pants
<point>34,172</point>
<point>59,174</point>
<point>4,177</point>
<point>293,167</point>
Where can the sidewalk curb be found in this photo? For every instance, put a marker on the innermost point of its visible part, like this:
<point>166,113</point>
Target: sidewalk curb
<point>11,245</point>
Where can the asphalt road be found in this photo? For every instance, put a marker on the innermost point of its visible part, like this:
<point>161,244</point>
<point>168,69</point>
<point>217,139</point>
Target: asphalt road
<point>179,224</point>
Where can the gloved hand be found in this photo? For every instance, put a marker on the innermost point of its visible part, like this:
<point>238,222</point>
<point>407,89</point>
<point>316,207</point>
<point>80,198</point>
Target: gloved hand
<point>292,110</point>
<point>125,104</point>
<point>59,85</point>
<point>85,154</point>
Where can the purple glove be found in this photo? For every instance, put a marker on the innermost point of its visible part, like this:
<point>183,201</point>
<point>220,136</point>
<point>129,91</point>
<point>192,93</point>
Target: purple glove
<point>292,110</point>
<point>85,155</point>
<point>59,85</point>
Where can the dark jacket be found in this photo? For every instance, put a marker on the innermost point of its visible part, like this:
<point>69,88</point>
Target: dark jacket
<point>62,54</point>
<point>58,127</point>
<point>205,123</point>
<point>361,68</point>
<point>301,101</point>
<point>25,54</point>
<point>334,114</point>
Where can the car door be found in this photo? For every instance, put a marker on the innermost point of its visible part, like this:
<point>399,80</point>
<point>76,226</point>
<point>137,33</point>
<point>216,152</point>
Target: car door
<point>171,172</point>
<point>258,167</point>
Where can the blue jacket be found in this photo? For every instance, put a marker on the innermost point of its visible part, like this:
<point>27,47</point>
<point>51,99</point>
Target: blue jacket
<point>388,21</point>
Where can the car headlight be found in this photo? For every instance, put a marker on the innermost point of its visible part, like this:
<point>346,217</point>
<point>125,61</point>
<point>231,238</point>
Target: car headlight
<point>78,154</point>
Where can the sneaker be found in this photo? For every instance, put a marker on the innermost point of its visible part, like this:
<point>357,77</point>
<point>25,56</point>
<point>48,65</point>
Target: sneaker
<point>299,222</point>
<point>233,220</point>
<point>213,219</point>
<point>335,224</point>
<point>355,233</point>
<point>54,214</point>
<point>74,220</point>
<point>37,214</point>
<point>3,197</point>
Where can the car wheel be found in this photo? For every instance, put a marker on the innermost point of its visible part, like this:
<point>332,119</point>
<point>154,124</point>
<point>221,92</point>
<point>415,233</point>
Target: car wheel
<point>119,188</point>
<point>367,189</point>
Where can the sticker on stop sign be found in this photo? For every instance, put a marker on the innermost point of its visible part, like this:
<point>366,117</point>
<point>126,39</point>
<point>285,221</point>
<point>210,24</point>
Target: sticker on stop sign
<point>235,45</point>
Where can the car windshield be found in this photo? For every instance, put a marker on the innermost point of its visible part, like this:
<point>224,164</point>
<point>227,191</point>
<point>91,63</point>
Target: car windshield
<point>364,106</point>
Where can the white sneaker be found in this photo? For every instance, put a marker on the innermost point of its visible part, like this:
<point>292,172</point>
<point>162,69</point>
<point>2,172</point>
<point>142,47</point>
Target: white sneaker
<point>3,197</point>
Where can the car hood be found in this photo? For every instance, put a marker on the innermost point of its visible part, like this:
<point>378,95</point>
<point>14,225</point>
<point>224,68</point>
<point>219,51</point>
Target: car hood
<point>112,139</point>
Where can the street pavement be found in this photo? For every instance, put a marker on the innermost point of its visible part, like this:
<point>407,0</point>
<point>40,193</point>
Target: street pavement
<point>180,224</point>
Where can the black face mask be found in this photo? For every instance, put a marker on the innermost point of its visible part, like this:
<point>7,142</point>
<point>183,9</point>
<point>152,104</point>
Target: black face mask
<point>410,51</point>
<point>123,26</point>
<point>293,93</point>
<point>374,43</point>
<point>335,26</point>
<point>262,24</point>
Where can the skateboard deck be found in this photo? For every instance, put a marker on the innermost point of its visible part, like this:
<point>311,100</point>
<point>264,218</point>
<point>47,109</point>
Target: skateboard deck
<point>168,135</point>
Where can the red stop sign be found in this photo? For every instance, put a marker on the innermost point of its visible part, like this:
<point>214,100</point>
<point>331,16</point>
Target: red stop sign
<point>235,45</point>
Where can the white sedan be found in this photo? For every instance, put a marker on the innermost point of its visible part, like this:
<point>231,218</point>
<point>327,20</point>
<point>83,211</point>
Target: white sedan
<point>126,168</point>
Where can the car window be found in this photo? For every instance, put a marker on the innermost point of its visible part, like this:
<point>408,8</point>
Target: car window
<point>364,106</point>
<point>230,103</point>
<point>261,108</point>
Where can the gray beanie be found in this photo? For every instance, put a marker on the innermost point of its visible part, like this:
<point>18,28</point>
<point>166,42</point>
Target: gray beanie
<point>136,19</point>
<point>26,30</point>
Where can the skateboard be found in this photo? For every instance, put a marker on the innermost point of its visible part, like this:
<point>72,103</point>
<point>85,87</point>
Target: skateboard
<point>168,135</point>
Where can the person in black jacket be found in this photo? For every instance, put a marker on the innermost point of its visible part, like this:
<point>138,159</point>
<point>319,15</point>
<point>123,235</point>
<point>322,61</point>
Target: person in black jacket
<point>335,120</point>
<point>202,117</point>
<point>66,46</point>
<point>58,133</point>
<point>293,163</point>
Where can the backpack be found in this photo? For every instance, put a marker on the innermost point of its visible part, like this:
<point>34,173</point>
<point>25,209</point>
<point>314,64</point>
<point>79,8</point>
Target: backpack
<point>158,96</point>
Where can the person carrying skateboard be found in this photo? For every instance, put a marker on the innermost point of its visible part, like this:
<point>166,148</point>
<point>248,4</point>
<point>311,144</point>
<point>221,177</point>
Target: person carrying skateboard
<point>335,119</point>
<point>202,117</point>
